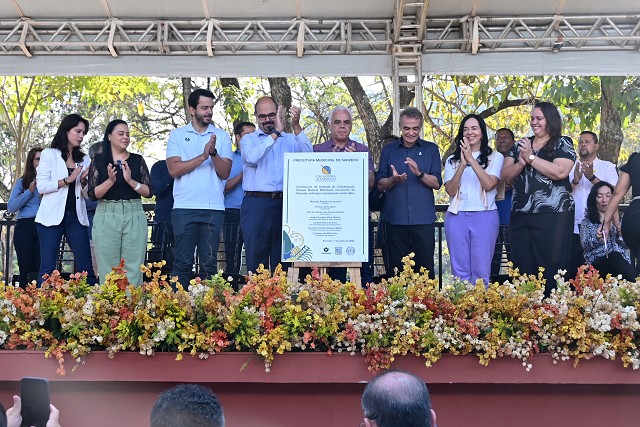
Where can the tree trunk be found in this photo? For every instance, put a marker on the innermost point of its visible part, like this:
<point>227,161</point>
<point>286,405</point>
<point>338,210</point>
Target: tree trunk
<point>374,132</point>
<point>5,192</point>
<point>611,135</point>
<point>367,115</point>
<point>187,88</point>
<point>281,91</point>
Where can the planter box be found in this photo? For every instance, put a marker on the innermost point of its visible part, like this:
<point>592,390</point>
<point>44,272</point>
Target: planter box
<point>315,389</point>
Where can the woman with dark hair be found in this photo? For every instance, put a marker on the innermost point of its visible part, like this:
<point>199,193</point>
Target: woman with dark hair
<point>610,256</point>
<point>118,179</point>
<point>541,224</point>
<point>629,178</point>
<point>471,175</point>
<point>61,174</point>
<point>25,200</point>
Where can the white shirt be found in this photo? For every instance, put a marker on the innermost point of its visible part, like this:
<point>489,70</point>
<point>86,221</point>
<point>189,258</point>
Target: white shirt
<point>51,169</point>
<point>605,171</point>
<point>263,158</point>
<point>201,188</point>
<point>470,194</point>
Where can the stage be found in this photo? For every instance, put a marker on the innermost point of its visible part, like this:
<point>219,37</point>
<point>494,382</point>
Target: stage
<point>315,389</point>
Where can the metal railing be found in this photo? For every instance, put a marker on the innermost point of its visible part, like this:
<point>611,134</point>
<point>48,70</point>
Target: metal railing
<point>9,263</point>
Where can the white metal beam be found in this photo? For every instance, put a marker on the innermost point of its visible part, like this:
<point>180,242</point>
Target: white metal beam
<point>340,41</point>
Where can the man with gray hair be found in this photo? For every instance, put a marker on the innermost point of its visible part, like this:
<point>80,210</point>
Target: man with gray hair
<point>397,399</point>
<point>409,172</point>
<point>340,125</point>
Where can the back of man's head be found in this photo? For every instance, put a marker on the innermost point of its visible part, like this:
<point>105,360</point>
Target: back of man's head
<point>397,399</point>
<point>187,405</point>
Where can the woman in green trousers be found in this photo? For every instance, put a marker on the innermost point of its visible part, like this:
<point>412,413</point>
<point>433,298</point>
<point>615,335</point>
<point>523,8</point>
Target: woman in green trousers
<point>118,179</point>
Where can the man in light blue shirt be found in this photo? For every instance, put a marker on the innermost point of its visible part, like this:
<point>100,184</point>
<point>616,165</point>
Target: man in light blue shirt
<point>233,195</point>
<point>199,159</point>
<point>263,157</point>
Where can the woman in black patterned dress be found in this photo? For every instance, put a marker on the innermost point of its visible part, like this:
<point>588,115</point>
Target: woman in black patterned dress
<point>541,224</point>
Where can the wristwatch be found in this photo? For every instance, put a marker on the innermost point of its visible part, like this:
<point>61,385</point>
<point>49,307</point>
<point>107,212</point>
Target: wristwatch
<point>276,133</point>
<point>593,177</point>
<point>214,153</point>
<point>421,175</point>
<point>532,157</point>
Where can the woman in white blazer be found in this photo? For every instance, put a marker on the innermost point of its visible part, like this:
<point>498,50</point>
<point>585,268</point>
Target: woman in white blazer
<point>61,175</point>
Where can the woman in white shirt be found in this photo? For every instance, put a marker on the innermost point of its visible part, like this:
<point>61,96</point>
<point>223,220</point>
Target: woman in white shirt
<point>62,173</point>
<point>471,175</point>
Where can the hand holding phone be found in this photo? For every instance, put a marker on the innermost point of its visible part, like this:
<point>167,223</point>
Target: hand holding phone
<point>119,162</point>
<point>34,394</point>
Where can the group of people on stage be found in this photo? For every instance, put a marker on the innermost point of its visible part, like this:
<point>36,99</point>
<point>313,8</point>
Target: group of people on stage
<point>51,199</point>
<point>560,211</point>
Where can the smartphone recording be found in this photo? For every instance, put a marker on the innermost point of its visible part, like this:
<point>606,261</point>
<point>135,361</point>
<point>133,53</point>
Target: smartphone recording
<point>34,393</point>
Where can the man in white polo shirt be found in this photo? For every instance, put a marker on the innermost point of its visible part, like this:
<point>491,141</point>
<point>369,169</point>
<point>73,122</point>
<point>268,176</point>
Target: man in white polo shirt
<point>199,159</point>
<point>587,171</point>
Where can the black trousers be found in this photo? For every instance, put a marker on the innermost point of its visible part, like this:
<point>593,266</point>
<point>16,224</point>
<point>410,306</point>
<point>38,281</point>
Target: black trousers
<point>27,246</point>
<point>631,231</point>
<point>541,240</point>
<point>404,239</point>
<point>577,256</point>
<point>615,264</point>
<point>232,241</point>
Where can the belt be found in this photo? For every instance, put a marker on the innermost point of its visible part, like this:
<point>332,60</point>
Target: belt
<point>265,194</point>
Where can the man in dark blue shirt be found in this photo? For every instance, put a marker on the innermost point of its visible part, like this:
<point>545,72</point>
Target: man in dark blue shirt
<point>410,169</point>
<point>162,232</point>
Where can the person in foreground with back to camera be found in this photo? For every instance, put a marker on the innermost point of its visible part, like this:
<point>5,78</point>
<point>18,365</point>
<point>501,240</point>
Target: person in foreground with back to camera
<point>607,254</point>
<point>14,417</point>
<point>629,178</point>
<point>119,179</point>
<point>471,175</point>
<point>397,399</point>
<point>541,224</point>
<point>62,173</point>
<point>25,200</point>
<point>187,405</point>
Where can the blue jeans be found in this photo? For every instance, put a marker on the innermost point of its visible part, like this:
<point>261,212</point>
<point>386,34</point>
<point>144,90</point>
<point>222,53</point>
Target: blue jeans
<point>78,239</point>
<point>196,228</point>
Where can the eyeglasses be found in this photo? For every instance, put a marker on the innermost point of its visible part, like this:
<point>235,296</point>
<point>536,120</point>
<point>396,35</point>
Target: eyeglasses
<point>263,117</point>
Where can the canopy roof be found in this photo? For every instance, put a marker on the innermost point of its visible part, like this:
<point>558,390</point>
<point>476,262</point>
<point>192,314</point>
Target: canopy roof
<point>308,37</point>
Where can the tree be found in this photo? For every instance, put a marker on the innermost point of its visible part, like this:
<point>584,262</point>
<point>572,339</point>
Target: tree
<point>31,108</point>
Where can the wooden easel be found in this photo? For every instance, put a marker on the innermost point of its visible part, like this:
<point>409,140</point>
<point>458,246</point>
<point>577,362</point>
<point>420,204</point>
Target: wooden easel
<point>353,268</point>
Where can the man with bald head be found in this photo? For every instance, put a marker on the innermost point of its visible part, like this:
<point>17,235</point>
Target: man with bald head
<point>397,399</point>
<point>263,175</point>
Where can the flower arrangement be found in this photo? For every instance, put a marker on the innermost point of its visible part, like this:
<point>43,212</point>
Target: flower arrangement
<point>408,314</point>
